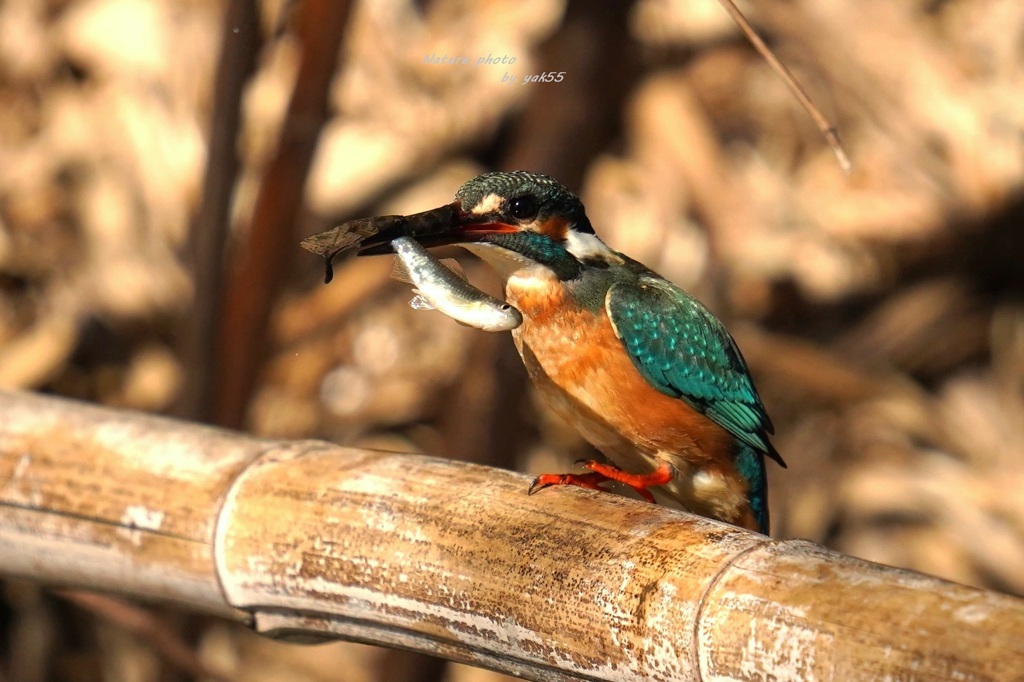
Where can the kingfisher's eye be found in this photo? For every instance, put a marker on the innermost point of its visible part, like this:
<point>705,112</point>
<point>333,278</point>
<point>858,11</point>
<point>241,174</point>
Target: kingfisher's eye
<point>523,208</point>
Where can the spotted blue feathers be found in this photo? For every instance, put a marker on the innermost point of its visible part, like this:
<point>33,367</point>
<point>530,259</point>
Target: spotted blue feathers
<point>685,352</point>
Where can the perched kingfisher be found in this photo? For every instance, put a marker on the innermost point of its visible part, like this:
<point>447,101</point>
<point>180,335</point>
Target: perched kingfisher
<point>645,372</point>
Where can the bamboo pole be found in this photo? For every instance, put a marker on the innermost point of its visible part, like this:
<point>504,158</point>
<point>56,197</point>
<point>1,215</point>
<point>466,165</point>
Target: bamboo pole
<point>312,541</point>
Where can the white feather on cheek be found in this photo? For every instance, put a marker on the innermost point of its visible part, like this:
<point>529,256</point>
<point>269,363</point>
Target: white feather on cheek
<point>584,246</point>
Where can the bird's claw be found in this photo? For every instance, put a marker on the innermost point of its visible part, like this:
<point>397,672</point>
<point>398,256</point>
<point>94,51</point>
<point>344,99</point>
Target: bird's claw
<point>602,473</point>
<point>591,481</point>
<point>541,482</point>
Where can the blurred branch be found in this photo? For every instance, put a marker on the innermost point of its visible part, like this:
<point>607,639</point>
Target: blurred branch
<point>145,626</point>
<point>313,540</point>
<point>262,267</point>
<point>239,45</point>
<point>597,51</point>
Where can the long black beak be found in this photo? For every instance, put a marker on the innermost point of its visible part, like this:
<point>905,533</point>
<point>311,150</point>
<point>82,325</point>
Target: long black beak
<point>441,226</point>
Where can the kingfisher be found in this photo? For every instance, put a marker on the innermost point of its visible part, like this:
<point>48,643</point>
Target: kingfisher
<point>645,372</point>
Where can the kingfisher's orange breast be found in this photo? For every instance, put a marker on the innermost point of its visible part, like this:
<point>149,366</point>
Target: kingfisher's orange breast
<point>581,367</point>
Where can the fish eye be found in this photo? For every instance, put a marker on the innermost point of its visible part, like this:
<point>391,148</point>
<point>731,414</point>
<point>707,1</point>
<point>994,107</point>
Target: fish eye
<point>523,208</point>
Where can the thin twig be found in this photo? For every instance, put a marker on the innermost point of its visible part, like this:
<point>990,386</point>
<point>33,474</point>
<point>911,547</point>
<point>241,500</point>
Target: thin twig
<point>824,125</point>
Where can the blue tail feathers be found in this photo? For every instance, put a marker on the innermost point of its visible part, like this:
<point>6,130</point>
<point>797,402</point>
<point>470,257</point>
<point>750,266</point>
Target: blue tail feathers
<point>750,464</point>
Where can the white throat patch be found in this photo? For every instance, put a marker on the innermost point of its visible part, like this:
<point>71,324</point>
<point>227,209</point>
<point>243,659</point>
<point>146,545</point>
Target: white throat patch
<point>583,245</point>
<point>504,261</point>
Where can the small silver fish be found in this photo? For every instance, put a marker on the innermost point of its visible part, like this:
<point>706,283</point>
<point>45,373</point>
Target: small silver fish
<point>445,288</point>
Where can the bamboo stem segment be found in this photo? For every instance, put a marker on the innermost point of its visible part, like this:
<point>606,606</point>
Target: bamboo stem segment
<point>311,541</point>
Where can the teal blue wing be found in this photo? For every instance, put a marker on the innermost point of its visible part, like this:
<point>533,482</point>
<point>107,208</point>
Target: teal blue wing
<point>683,350</point>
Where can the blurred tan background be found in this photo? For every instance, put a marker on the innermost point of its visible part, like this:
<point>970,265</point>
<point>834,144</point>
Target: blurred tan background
<point>881,312</point>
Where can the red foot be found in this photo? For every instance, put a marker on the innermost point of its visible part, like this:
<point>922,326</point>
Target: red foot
<point>602,473</point>
<point>591,481</point>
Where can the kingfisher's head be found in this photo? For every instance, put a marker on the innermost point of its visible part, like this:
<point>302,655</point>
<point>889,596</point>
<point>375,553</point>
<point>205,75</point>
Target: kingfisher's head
<point>514,219</point>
